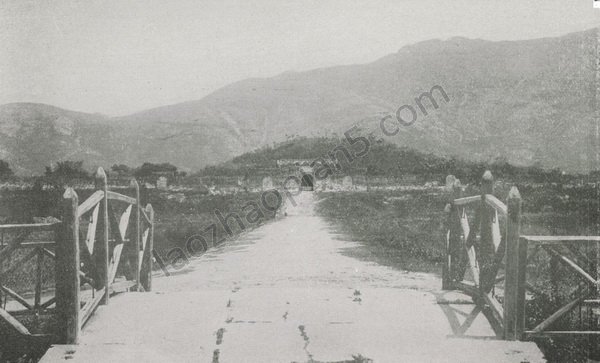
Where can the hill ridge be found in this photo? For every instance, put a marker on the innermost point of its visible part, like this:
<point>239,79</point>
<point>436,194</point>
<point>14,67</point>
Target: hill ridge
<point>528,101</point>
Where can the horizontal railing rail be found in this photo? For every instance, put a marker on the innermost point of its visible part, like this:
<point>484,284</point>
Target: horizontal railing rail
<point>478,250</point>
<point>560,248</point>
<point>475,249</point>
<point>101,246</point>
<point>118,241</point>
<point>23,263</point>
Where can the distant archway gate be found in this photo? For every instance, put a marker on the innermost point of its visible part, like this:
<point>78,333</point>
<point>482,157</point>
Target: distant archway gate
<point>307,182</point>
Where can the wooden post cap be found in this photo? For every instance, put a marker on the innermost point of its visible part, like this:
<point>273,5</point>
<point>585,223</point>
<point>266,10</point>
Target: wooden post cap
<point>70,193</point>
<point>487,183</point>
<point>100,178</point>
<point>487,176</point>
<point>450,181</point>
<point>514,193</point>
<point>134,184</point>
<point>100,173</point>
<point>457,183</point>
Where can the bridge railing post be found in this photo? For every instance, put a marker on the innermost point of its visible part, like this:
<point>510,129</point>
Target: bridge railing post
<point>451,235</point>
<point>103,258</point>
<point>446,278</point>
<point>136,233</point>
<point>67,270</point>
<point>445,234</point>
<point>147,257</point>
<point>486,248</point>
<point>516,261</point>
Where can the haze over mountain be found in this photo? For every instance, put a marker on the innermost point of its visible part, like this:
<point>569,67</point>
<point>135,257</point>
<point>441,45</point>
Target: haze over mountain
<point>527,101</point>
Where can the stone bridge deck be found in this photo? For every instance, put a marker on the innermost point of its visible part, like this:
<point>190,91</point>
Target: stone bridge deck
<point>286,293</point>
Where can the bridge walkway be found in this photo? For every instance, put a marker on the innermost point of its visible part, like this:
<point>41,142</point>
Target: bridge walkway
<point>288,292</point>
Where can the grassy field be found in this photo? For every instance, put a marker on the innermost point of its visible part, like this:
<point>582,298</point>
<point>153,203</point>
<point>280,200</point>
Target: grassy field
<point>402,229</point>
<point>398,229</point>
<point>187,215</point>
<point>179,216</point>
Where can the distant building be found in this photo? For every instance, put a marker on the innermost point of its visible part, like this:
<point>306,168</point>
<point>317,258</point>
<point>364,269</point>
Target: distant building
<point>304,167</point>
<point>294,162</point>
<point>347,182</point>
<point>161,182</point>
<point>409,179</point>
<point>267,183</point>
<point>151,173</point>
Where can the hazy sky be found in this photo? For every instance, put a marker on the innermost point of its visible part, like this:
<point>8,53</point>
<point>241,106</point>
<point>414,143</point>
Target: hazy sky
<point>118,57</point>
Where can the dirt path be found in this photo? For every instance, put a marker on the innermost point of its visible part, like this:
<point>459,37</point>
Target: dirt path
<point>285,293</point>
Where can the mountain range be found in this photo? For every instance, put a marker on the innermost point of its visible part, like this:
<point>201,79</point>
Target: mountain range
<point>528,102</point>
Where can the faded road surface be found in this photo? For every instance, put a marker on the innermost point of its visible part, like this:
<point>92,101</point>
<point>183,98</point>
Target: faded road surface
<point>285,293</point>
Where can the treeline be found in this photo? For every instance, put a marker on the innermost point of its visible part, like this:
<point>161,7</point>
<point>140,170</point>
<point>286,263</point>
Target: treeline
<point>63,172</point>
<point>147,170</point>
<point>6,172</point>
<point>382,159</point>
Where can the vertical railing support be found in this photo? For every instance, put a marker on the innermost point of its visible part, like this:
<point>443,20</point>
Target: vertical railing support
<point>446,278</point>
<point>67,270</point>
<point>102,184</point>
<point>147,261</point>
<point>445,234</point>
<point>598,269</point>
<point>486,249</point>
<point>136,233</point>
<point>521,289</point>
<point>516,259</point>
<point>458,240</point>
<point>595,157</point>
<point>39,277</point>
<point>452,232</point>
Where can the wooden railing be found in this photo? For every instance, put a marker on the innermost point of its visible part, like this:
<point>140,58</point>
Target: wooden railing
<point>101,246</point>
<point>30,246</point>
<point>478,249</point>
<point>475,248</point>
<point>566,250</point>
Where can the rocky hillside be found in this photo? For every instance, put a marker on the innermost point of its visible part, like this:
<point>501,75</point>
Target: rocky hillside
<point>526,101</point>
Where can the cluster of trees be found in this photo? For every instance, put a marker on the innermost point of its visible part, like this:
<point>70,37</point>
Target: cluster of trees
<point>382,159</point>
<point>297,148</point>
<point>67,168</point>
<point>5,171</point>
<point>147,170</point>
<point>227,169</point>
<point>65,172</point>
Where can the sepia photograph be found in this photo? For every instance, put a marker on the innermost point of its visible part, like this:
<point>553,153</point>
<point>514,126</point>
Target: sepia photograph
<point>299,181</point>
